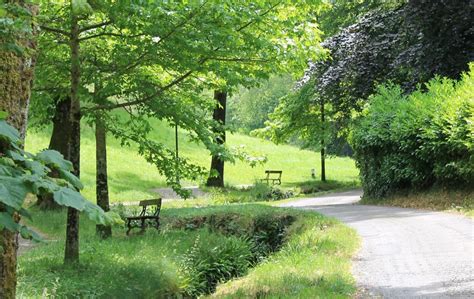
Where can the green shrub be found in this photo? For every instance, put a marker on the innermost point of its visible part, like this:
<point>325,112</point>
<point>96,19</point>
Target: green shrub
<point>262,191</point>
<point>418,140</point>
<point>216,259</point>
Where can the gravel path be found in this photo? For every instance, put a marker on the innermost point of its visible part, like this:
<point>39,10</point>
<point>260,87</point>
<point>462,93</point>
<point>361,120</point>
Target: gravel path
<point>405,253</point>
<point>168,193</point>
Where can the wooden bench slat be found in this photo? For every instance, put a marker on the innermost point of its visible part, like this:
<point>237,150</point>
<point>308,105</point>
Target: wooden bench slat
<point>150,202</point>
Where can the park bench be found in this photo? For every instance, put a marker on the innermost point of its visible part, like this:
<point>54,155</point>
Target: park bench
<point>150,214</point>
<point>274,176</point>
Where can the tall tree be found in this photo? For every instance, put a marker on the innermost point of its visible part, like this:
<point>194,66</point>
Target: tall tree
<point>16,76</point>
<point>102,188</point>
<point>61,127</point>
<point>265,31</point>
<point>407,45</point>
<point>21,172</point>
<point>217,164</point>
<point>303,114</point>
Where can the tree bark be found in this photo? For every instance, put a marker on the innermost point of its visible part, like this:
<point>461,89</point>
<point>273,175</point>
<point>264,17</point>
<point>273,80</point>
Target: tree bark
<point>16,78</point>
<point>219,116</point>
<point>58,142</point>
<point>71,254</point>
<point>102,188</point>
<point>323,144</point>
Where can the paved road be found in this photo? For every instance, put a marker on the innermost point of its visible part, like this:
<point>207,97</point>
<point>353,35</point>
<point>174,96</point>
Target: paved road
<point>405,253</point>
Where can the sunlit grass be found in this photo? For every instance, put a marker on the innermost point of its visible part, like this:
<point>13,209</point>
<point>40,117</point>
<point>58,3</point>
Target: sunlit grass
<point>314,260</point>
<point>131,178</point>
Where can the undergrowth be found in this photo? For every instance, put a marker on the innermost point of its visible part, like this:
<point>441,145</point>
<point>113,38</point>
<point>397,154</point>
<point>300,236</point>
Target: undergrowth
<point>195,252</point>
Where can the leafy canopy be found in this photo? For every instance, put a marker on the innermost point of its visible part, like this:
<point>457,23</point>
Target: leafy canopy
<point>157,59</point>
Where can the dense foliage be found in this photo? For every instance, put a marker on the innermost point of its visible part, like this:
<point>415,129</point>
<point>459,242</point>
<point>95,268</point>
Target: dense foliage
<point>407,45</point>
<point>299,114</point>
<point>44,173</point>
<point>418,140</point>
<point>248,109</point>
<point>335,15</point>
<point>158,59</point>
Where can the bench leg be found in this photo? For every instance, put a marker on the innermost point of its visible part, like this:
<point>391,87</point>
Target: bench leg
<point>143,226</point>
<point>129,227</point>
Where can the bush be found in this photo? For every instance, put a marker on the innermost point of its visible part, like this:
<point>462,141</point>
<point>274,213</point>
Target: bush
<point>419,140</point>
<point>262,191</point>
<point>215,260</point>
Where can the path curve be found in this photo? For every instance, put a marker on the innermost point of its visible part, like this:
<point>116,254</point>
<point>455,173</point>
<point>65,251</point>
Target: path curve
<point>405,253</point>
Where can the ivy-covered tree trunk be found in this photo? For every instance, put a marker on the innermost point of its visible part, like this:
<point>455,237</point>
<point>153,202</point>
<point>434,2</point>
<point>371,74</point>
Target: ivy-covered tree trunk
<point>71,254</point>
<point>16,77</point>
<point>102,188</point>
<point>217,163</point>
<point>323,143</point>
<point>58,142</point>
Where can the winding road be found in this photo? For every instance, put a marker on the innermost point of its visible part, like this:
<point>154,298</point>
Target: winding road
<point>405,253</point>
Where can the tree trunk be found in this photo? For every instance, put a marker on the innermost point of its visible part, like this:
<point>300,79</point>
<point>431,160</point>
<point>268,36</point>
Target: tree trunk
<point>219,116</point>
<point>16,78</point>
<point>58,142</point>
<point>323,144</point>
<point>102,189</point>
<point>71,254</point>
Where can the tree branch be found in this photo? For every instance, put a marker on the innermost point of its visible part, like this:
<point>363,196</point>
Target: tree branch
<point>109,34</point>
<point>55,30</point>
<point>237,59</point>
<point>94,26</point>
<point>185,75</point>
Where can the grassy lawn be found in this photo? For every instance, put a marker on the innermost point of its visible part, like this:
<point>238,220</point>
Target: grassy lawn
<point>453,201</point>
<point>244,250</point>
<point>132,178</point>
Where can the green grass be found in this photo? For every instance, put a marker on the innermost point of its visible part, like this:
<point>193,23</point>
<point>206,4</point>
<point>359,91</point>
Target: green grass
<point>314,260</point>
<point>131,178</point>
<point>314,263</point>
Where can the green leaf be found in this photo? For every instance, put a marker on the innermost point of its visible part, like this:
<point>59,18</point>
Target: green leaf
<point>55,159</point>
<point>81,7</point>
<point>16,156</point>
<point>3,115</point>
<point>12,191</point>
<point>6,221</point>
<point>72,179</point>
<point>29,234</point>
<point>6,170</point>
<point>36,167</point>
<point>113,218</point>
<point>9,132</point>
<point>95,213</point>
<point>41,184</point>
<point>70,198</point>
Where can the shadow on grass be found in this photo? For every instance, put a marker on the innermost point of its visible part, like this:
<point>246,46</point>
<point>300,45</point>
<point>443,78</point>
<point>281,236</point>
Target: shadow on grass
<point>105,278</point>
